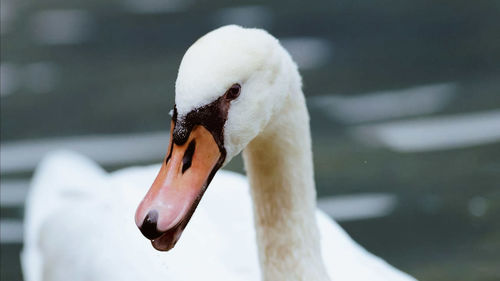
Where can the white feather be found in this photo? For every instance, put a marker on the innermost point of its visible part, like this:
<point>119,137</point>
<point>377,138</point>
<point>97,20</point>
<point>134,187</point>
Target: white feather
<point>80,227</point>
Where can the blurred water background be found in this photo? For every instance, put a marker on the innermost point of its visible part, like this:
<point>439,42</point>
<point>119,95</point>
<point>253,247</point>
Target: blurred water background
<point>404,99</point>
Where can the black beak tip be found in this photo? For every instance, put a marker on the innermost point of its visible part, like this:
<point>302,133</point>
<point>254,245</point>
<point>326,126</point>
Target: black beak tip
<point>148,227</point>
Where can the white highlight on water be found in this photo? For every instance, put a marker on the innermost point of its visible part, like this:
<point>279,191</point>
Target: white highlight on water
<point>61,27</point>
<point>433,133</point>
<point>383,105</point>
<point>308,52</point>
<point>18,156</point>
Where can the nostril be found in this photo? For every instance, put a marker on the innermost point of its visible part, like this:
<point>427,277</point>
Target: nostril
<point>148,227</point>
<point>188,156</point>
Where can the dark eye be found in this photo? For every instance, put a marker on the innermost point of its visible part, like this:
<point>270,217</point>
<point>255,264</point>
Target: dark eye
<point>233,92</point>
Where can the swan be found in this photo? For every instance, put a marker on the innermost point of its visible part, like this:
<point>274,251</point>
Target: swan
<point>237,90</point>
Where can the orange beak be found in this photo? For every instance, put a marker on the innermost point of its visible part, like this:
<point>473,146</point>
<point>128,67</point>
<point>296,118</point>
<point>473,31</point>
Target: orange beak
<point>184,175</point>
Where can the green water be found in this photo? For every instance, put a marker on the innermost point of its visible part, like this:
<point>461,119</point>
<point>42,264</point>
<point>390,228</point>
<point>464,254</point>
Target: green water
<point>120,79</point>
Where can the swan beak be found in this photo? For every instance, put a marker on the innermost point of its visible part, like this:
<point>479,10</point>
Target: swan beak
<point>170,202</point>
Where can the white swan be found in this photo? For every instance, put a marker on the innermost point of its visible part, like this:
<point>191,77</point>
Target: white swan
<point>237,89</point>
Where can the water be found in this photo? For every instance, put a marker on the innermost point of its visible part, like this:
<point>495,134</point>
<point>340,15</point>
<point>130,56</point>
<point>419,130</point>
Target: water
<point>381,78</point>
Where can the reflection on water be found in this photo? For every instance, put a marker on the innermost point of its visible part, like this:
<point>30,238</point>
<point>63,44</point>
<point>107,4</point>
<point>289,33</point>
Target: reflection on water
<point>434,133</point>
<point>308,52</point>
<point>55,27</point>
<point>257,16</point>
<point>408,161</point>
<point>387,104</point>
<point>8,79</point>
<point>155,6</point>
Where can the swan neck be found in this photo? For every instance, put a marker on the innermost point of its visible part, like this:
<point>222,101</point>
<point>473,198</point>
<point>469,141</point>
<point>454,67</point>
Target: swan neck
<point>280,170</point>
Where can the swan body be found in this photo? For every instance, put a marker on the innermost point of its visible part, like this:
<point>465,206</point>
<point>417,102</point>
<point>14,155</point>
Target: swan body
<point>79,227</point>
<point>237,90</point>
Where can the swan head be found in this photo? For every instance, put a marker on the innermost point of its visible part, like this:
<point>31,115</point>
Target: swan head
<point>233,56</point>
<point>230,84</point>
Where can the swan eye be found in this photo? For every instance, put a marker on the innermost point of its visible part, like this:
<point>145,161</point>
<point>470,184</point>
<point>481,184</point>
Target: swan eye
<point>233,92</point>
